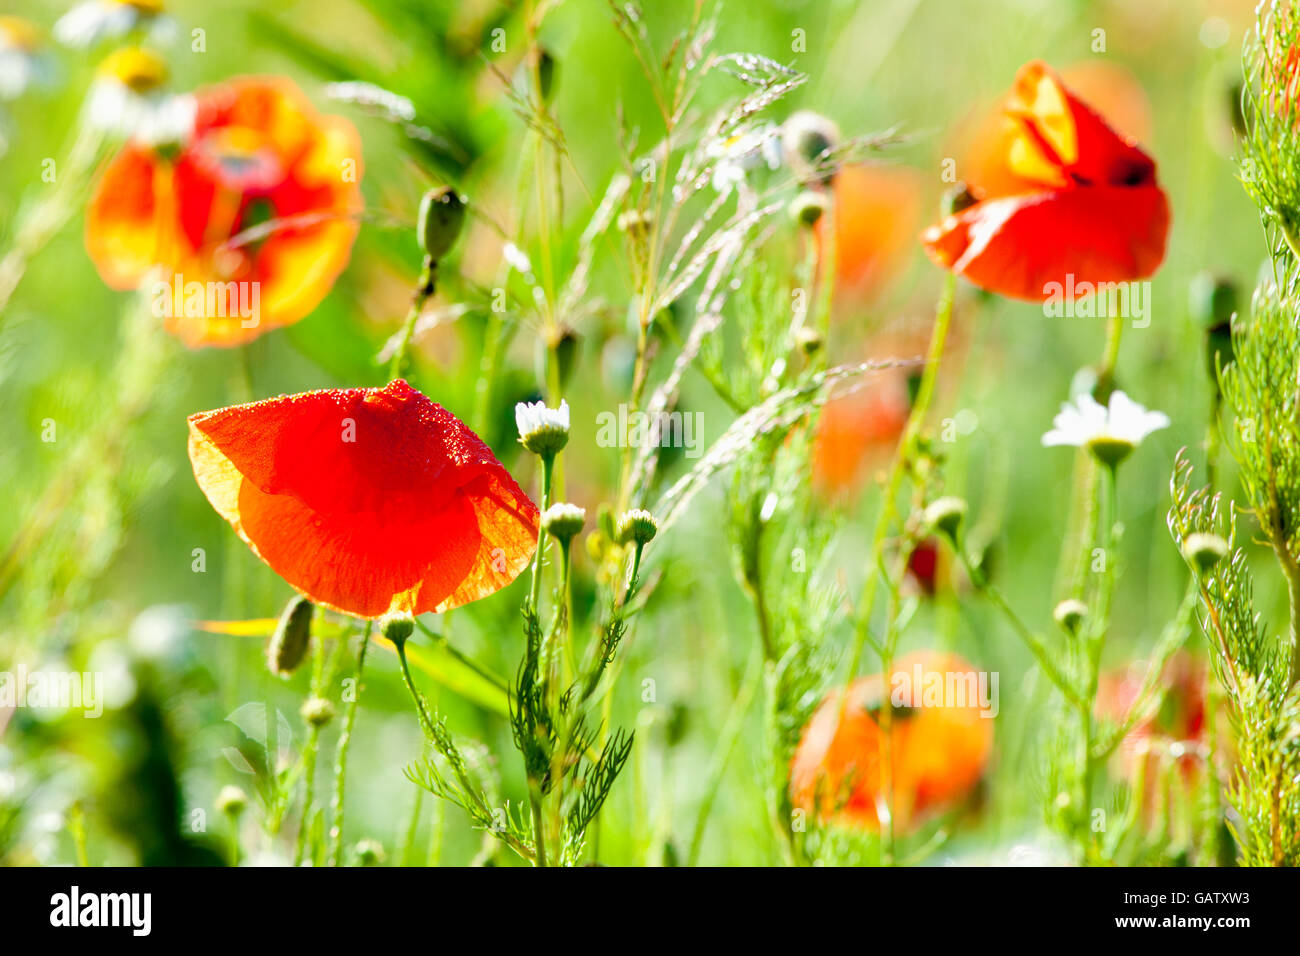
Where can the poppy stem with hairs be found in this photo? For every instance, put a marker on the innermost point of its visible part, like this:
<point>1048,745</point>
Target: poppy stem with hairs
<point>424,290</point>
<point>906,446</point>
<point>341,755</point>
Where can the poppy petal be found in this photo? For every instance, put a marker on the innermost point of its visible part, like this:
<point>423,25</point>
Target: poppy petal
<point>1019,245</point>
<point>366,500</point>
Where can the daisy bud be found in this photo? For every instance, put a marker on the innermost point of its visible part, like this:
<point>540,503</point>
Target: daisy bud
<point>635,222</point>
<point>370,853</point>
<point>809,341</point>
<point>542,430</point>
<point>1203,550</point>
<point>808,207</point>
<point>957,198</point>
<point>231,801</point>
<point>564,520</point>
<point>637,526</point>
<point>397,626</point>
<point>442,214</point>
<point>292,634</point>
<point>317,711</point>
<point>807,139</point>
<point>945,515</point>
<point>1070,614</point>
<point>1213,299</point>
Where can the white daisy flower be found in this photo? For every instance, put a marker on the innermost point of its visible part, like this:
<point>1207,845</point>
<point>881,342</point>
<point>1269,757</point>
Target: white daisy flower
<point>91,21</point>
<point>128,99</point>
<point>23,64</point>
<point>542,430</point>
<point>1110,432</point>
<point>737,155</point>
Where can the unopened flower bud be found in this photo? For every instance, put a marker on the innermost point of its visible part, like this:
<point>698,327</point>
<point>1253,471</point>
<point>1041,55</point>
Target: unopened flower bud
<point>317,711</point>
<point>957,198</point>
<point>807,140</point>
<point>289,641</point>
<point>442,214</point>
<point>397,626</point>
<point>564,520</point>
<point>1213,300</point>
<point>231,801</point>
<point>945,515</point>
<point>1204,550</point>
<point>370,853</point>
<point>808,207</point>
<point>809,341</point>
<point>637,526</point>
<point>1070,614</point>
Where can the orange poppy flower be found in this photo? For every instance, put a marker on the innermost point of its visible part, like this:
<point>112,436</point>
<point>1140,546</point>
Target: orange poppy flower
<point>259,151</point>
<point>1091,210</point>
<point>366,500</point>
<point>857,432</point>
<point>877,211</point>
<point>940,743</point>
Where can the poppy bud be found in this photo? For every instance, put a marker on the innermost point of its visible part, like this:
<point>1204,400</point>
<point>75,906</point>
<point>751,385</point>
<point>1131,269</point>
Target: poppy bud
<point>317,711</point>
<point>1214,302</point>
<point>397,627</point>
<point>1203,551</point>
<point>807,139</point>
<point>637,526</point>
<point>807,208</point>
<point>442,214</point>
<point>945,515</point>
<point>231,801</point>
<point>957,198</point>
<point>292,634</point>
<point>564,520</point>
<point>1070,614</point>
<point>563,343</point>
<point>545,74</point>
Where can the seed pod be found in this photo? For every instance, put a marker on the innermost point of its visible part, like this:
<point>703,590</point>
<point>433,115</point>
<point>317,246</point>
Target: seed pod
<point>442,214</point>
<point>292,635</point>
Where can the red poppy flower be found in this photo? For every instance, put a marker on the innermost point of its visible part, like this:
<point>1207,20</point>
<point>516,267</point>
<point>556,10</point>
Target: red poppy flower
<point>939,744</point>
<point>366,500</point>
<point>1090,208</point>
<point>259,151</point>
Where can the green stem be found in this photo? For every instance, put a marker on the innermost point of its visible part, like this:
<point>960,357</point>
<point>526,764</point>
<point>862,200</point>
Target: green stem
<point>907,445</point>
<point>341,755</point>
<point>424,290</point>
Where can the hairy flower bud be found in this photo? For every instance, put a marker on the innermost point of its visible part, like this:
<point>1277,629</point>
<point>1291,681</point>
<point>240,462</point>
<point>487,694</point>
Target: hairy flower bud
<point>564,520</point>
<point>808,207</point>
<point>637,526</point>
<point>397,627</point>
<point>317,711</point>
<point>442,214</point>
<point>231,801</point>
<point>807,140</point>
<point>945,515</point>
<point>292,635</point>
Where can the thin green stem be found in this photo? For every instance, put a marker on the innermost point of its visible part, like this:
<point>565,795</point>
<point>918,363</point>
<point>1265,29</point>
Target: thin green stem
<point>341,755</point>
<point>424,290</point>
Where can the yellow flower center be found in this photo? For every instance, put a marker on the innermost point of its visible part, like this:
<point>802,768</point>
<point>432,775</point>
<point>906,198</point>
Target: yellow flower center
<point>18,34</point>
<point>140,70</point>
<point>146,7</point>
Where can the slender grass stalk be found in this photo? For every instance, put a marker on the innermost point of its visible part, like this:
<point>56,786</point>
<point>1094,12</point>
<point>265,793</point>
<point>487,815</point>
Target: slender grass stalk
<point>341,754</point>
